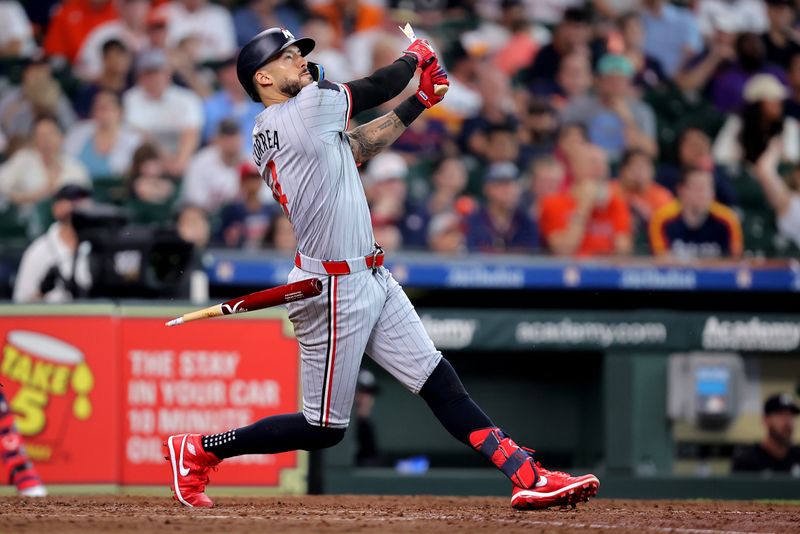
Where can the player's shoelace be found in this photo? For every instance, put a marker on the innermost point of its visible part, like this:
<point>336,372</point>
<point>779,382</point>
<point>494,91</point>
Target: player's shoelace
<point>545,471</point>
<point>540,468</point>
<point>200,479</point>
<point>197,483</point>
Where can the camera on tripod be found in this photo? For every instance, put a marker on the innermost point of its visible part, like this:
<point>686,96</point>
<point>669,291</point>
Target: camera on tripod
<point>131,261</point>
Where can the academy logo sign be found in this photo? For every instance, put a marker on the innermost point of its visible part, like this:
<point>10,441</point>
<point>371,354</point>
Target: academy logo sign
<point>605,334</point>
<point>450,333</point>
<point>752,334</point>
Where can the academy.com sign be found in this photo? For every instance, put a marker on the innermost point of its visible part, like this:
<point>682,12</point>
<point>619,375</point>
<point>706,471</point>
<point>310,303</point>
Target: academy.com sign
<point>450,333</point>
<point>645,330</point>
<point>752,334</point>
<point>569,332</point>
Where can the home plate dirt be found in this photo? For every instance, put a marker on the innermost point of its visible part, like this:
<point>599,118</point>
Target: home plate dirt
<point>385,514</point>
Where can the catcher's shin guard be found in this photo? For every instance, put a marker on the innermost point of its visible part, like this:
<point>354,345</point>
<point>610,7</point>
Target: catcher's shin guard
<point>514,461</point>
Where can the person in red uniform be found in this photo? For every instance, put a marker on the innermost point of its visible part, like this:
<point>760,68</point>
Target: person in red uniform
<point>18,467</point>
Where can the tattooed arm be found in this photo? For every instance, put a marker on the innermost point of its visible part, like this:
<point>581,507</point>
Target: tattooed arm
<point>369,139</point>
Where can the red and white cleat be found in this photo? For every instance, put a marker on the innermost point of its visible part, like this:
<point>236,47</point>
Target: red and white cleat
<point>21,471</point>
<point>26,479</point>
<point>554,488</point>
<point>190,465</point>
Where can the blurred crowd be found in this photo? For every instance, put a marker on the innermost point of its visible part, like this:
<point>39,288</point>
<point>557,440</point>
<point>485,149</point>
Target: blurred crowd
<point>571,128</point>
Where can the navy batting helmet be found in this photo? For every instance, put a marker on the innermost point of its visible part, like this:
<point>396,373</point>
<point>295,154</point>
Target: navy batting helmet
<point>262,48</point>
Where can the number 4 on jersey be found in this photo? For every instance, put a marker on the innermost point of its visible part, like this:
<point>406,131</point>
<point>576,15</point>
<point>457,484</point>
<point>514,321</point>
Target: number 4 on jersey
<point>275,186</point>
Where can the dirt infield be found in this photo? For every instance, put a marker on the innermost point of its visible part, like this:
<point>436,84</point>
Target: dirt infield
<point>362,514</point>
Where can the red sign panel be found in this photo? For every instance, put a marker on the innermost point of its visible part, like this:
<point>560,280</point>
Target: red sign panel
<point>60,375</point>
<point>204,377</point>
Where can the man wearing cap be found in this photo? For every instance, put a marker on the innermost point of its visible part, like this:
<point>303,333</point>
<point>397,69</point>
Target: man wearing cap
<point>445,234</point>
<point>775,451</point>
<point>212,175</point>
<point>160,109</point>
<point>616,119</point>
<point>501,225</point>
<point>53,267</point>
<point>309,157</point>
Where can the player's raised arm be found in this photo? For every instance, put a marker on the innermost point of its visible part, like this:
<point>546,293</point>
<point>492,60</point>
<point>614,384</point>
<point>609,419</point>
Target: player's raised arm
<point>387,82</point>
<point>369,139</point>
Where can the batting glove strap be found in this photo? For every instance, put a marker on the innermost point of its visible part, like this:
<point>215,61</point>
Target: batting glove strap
<point>422,51</point>
<point>432,76</point>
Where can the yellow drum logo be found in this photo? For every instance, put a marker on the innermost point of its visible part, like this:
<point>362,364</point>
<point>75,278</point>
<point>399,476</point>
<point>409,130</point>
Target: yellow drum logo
<point>45,380</point>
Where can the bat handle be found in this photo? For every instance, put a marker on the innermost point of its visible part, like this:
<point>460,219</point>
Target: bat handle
<point>439,90</point>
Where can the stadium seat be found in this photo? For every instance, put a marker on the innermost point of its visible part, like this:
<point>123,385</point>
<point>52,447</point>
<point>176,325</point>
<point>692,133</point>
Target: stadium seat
<point>109,190</point>
<point>759,232</point>
<point>674,113</point>
<point>13,228</point>
<point>149,213</point>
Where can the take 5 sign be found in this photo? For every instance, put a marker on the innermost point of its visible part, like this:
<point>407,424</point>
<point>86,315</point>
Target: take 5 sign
<point>60,378</point>
<point>95,396</point>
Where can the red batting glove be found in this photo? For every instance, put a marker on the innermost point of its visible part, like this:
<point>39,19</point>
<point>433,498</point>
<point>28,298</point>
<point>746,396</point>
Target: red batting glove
<point>431,76</point>
<point>422,51</point>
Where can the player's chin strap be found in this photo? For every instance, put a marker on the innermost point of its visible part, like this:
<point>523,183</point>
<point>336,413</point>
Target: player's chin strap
<point>375,253</point>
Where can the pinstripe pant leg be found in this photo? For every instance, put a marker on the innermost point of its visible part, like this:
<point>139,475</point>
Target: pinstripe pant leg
<point>399,342</point>
<point>332,330</point>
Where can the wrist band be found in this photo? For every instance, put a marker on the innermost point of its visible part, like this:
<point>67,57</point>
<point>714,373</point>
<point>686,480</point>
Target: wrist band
<point>408,59</point>
<point>408,110</point>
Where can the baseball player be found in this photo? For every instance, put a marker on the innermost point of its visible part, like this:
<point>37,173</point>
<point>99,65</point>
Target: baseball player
<point>18,466</point>
<point>308,156</point>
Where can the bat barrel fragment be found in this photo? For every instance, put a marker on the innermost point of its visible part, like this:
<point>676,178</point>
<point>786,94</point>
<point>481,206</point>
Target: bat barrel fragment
<point>255,301</point>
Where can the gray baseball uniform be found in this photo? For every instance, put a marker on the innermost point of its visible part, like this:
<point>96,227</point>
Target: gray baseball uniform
<point>305,158</point>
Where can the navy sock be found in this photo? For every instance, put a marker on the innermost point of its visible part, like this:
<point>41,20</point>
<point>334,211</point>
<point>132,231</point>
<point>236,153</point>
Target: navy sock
<point>451,404</point>
<point>271,435</point>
